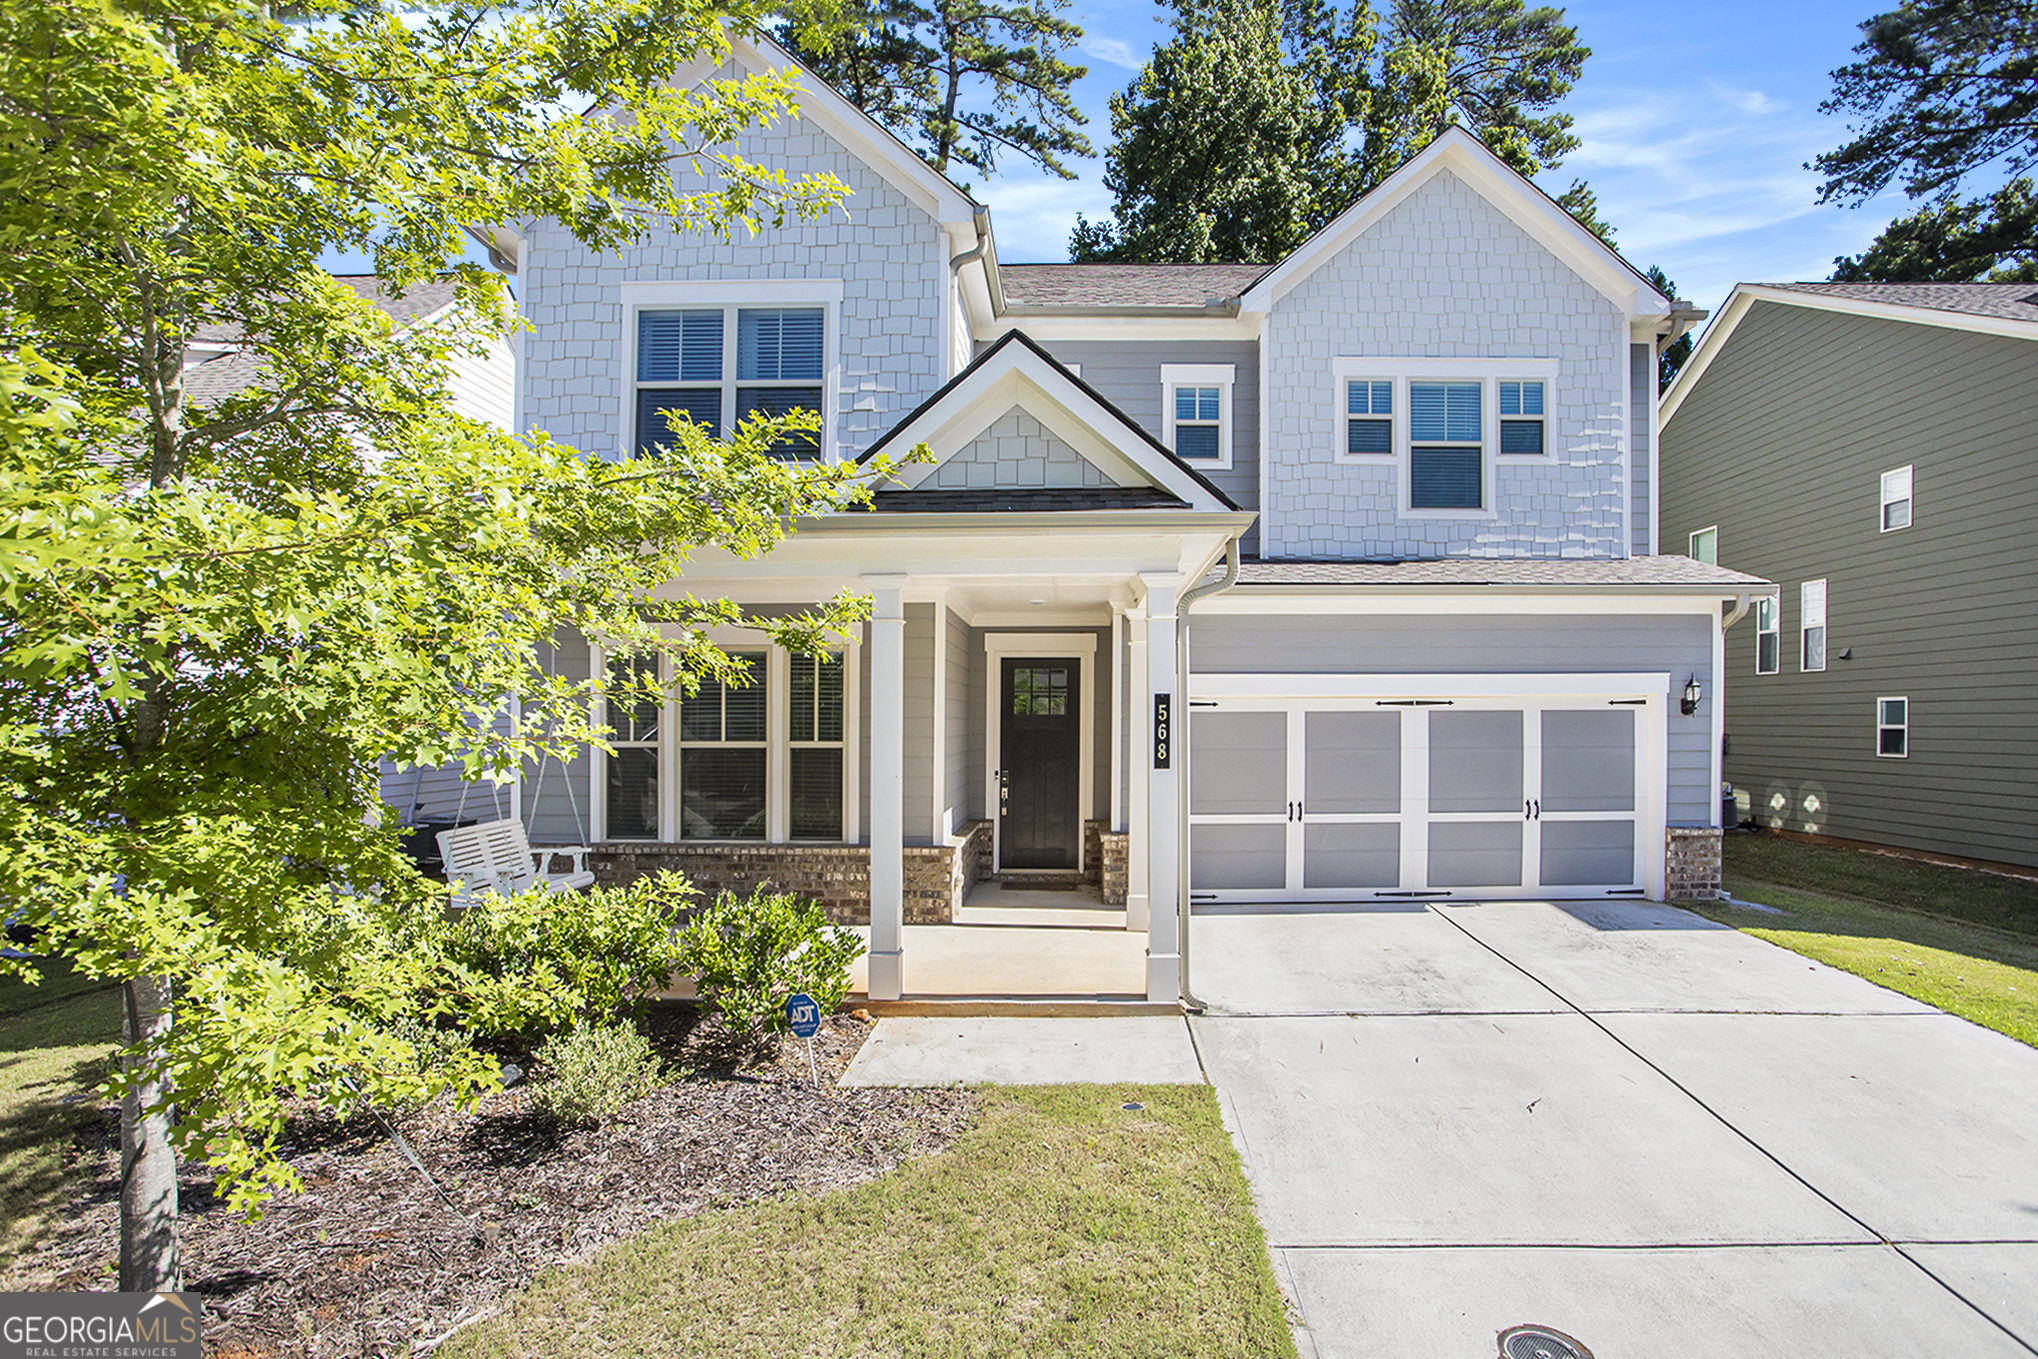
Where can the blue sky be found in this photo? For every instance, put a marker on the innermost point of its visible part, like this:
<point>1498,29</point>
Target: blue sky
<point>1697,120</point>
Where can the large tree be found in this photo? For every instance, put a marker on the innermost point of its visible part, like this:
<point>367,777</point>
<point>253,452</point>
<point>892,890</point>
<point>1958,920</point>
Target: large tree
<point>1991,239</point>
<point>216,615</point>
<point>1942,89</point>
<point>962,81</point>
<point>1267,119</point>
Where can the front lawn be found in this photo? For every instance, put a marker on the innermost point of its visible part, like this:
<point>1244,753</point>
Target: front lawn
<point>1062,1224</point>
<point>1955,938</point>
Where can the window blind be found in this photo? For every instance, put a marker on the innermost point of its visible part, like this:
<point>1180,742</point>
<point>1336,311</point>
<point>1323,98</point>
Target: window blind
<point>779,345</point>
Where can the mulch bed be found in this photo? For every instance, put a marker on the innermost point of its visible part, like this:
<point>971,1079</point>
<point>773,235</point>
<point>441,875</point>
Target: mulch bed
<point>368,1260</point>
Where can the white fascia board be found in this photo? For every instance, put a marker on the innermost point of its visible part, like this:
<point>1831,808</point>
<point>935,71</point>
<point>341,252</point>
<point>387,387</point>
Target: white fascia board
<point>1595,684</point>
<point>856,130</point>
<point>1050,329</point>
<point>1746,295</point>
<point>1528,207</point>
<point>1611,600</point>
<point>1020,377</point>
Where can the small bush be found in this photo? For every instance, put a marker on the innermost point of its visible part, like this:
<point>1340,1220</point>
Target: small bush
<point>749,953</point>
<point>594,1070</point>
<point>541,961</point>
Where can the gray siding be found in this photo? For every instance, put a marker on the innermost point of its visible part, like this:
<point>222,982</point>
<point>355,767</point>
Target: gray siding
<point>1127,373</point>
<point>961,789</point>
<point>1562,645</point>
<point>1641,399</point>
<point>1782,444</point>
<point>919,772</point>
<point>1017,450</point>
<point>979,670</point>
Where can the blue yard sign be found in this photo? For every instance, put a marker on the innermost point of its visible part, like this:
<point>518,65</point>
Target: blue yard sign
<point>802,1015</point>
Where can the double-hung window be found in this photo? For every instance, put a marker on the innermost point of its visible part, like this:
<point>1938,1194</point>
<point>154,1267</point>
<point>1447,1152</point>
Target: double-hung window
<point>1893,727</point>
<point>1369,418</point>
<point>1521,417</point>
<point>1196,411</point>
<point>1768,636</point>
<point>1446,424</point>
<point>683,365</point>
<point>1705,545</point>
<point>1812,602</point>
<point>634,710</point>
<point>724,753</point>
<point>1896,499</point>
<point>814,760</point>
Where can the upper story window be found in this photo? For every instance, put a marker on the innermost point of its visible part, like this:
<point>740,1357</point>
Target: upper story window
<point>1196,411</point>
<point>1896,499</point>
<point>718,351</point>
<point>1768,636</point>
<point>1369,417</point>
<point>1812,602</point>
<point>1893,727</point>
<point>1705,545</point>
<point>1446,448</point>
<point>1521,417</point>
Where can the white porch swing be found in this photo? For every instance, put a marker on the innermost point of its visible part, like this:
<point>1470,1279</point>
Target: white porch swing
<point>496,856</point>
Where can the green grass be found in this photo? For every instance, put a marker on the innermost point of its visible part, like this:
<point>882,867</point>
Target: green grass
<point>54,1040</point>
<point>1961,940</point>
<point>1060,1225</point>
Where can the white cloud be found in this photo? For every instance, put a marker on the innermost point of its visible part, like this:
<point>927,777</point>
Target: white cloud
<point>1114,51</point>
<point>1748,101</point>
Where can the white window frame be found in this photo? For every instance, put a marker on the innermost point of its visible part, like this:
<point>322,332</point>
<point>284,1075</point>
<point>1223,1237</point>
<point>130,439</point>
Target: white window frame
<point>733,297</point>
<point>1811,603</point>
<point>1772,606</point>
<point>1909,499</point>
<point>1692,544</point>
<point>778,748</point>
<point>1397,398</point>
<point>1488,372</point>
<point>1222,376</point>
<point>1882,726</point>
<point>1501,418</point>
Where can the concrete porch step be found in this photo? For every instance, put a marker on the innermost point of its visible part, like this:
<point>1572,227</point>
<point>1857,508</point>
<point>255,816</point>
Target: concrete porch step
<point>1037,1007</point>
<point>1080,917</point>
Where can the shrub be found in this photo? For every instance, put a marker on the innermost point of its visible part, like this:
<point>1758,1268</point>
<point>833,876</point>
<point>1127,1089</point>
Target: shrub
<point>541,961</point>
<point>749,953</point>
<point>594,1070</point>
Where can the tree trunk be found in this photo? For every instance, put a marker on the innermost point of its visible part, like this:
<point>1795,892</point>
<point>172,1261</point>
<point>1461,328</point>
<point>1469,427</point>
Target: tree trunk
<point>149,1260</point>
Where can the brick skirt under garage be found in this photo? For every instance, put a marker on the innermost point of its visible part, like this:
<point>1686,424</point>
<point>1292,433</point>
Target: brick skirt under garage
<point>938,877</point>
<point>1692,866</point>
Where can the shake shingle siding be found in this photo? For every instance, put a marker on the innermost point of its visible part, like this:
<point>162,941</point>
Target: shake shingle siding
<point>1782,443</point>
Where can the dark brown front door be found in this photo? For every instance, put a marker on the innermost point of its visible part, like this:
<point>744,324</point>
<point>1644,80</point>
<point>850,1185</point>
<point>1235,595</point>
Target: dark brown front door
<point>1038,743</point>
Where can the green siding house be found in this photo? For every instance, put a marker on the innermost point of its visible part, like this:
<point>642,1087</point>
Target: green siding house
<point>1873,448</point>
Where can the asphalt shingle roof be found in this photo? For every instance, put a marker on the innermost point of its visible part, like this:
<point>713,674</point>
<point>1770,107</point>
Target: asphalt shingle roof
<point>1002,500</point>
<point>208,380</point>
<point>2010,301</point>
<point>1124,285</point>
<point>1462,571</point>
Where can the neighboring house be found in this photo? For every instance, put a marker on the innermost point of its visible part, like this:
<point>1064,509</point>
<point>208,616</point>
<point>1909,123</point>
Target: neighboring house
<point>1873,448</point>
<point>1450,666</point>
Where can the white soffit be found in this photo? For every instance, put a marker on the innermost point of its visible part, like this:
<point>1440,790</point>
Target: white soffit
<point>1458,151</point>
<point>1745,295</point>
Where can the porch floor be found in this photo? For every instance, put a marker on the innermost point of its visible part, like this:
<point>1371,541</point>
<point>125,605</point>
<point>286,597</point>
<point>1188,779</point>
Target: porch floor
<point>1025,944</point>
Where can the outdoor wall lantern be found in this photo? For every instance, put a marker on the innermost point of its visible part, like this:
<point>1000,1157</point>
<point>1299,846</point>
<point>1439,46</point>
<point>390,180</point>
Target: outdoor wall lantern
<point>1691,696</point>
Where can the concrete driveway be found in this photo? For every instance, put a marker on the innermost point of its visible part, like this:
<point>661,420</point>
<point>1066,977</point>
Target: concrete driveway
<point>1652,1133</point>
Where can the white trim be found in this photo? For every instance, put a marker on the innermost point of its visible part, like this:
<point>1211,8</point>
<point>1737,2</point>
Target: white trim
<point>998,646</point>
<point>1717,727</point>
<point>1218,375</point>
<point>1882,726</point>
<point>1589,684</point>
<point>1117,734</point>
<point>941,814</point>
<point>1775,629</point>
<point>1458,151</point>
<point>1485,599</point>
<point>1691,544</point>
<point>1745,295</point>
<point>733,297</point>
<point>1266,523</point>
<point>1401,371</point>
<point>1362,365</point>
<point>1807,592</point>
<point>1652,378</point>
<point>1909,499</point>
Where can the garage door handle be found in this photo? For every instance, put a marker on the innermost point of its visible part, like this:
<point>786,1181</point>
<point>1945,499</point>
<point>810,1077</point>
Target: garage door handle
<point>1531,810</point>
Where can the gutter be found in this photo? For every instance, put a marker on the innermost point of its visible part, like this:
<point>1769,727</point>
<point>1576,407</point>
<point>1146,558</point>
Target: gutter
<point>1682,318</point>
<point>982,251</point>
<point>1741,607</point>
<point>1230,578</point>
<point>1222,309</point>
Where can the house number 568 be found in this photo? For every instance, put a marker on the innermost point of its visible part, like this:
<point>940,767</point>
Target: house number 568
<point>1163,730</point>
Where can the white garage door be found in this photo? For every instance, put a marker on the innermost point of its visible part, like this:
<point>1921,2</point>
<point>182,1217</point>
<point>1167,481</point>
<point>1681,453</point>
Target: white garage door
<point>1338,798</point>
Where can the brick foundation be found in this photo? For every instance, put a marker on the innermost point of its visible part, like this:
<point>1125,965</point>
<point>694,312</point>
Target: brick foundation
<point>1112,864</point>
<point>1093,852</point>
<point>1692,870</point>
<point>937,877</point>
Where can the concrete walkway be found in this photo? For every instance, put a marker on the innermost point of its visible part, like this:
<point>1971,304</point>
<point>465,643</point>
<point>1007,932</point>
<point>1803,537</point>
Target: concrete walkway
<point>1658,1135</point>
<point>1145,1050</point>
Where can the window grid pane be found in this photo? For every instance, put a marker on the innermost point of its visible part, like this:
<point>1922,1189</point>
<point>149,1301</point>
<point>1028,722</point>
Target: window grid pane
<point>779,345</point>
<point>721,794</point>
<point>1444,411</point>
<point>816,776</point>
<point>1369,436</point>
<point>1443,478</point>
<point>1521,436</point>
<point>777,401</point>
<point>679,346</point>
<point>1364,397</point>
<point>1197,441</point>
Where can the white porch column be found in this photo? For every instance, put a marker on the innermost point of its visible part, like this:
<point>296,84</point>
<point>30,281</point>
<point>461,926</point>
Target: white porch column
<point>887,786</point>
<point>1163,944</point>
<point>1137,699</point>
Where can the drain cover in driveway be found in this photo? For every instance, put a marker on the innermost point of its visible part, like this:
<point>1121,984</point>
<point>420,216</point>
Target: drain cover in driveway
<point>1539,1342</point>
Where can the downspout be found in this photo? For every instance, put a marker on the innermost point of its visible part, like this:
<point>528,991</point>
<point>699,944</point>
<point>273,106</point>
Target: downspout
<point>1741,607</point>
<point>1229,579</point>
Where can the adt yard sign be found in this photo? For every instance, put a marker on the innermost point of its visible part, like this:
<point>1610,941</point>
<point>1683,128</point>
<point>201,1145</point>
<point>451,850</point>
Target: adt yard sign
<point>802,1015</point>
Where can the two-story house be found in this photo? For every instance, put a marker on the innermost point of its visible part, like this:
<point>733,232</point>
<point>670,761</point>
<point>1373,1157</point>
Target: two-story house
<point>1874,448</point>
<point>1333,580</point>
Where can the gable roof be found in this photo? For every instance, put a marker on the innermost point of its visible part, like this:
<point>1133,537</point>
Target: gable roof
<point>216,365</point>
<point>1458,151</point>
<point>1017,371</point>
<point>2009,309</point>
<point>1199,287</point>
